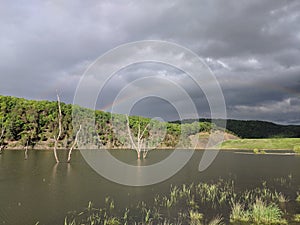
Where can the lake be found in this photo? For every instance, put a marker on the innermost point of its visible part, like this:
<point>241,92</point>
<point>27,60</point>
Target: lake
<point>38,189</point>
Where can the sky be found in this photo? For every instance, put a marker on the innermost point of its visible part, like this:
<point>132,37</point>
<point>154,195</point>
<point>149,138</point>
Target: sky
<point>252,48</point>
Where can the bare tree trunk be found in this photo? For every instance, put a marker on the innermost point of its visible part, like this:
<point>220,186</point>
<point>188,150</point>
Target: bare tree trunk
<point>26,151</point>
<point>2,132</point>
<point>74,144</point>
<point>56,139</point>
<point>145,152</point>
<point>137,146</point>
<point>138,142</point>
<point>129,133</point>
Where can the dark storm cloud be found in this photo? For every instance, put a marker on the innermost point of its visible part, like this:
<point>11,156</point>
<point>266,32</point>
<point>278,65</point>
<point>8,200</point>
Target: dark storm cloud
<point>251,46</point>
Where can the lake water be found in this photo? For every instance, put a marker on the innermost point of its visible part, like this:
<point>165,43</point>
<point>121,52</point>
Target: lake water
<point>38,189</point>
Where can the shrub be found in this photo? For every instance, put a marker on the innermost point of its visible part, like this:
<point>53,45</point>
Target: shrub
<point>266,214</point>
<point>259,213</point>
<point>216,221</point>
<point>297,149</point>
<point>195,218</point>
<point>255,151</point>
<point>296,218</point>
<point>238,213</point>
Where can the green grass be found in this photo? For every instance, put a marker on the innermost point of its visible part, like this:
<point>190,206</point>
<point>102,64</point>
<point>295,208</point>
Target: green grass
<point>297,149</point>
<point>297,218</point>
<point>185,204</point>
<point>258,213</point>
<point>266,143</point>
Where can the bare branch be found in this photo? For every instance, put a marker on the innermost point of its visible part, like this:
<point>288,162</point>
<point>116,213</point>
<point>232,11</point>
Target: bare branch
<point>59,117</point>
<point>129,133</point>
<point>74,144</point>
<point>2,133</point>
<point>140,146</point>
<point>145,130</point>
<point>56,139</point>
<point>139,138</point>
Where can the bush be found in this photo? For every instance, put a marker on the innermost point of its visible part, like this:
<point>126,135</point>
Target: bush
<point>238,213</point>
<point>255,151</point>
<point>297,149</point>
<point>196,218</point>
<point>297,218</point>
<point>266,214</point>
<point>259,213</point>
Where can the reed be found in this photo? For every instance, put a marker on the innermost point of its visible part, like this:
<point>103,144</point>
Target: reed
<point>296,218</point>
<point>238,214</point>
<point>218,220</point>
<point>266,214</point>
<point>258,213</point>
<point>181,205</point>
<point>195,218</point>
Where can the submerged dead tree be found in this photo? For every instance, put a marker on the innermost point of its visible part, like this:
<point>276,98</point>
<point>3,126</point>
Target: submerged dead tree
<point>138,141</point>
<point>56,138</point>
<point>74,145</point>
<point>26,151</point>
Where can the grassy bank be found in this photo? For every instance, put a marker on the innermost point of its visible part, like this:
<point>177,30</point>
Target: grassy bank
<point>262,144</point>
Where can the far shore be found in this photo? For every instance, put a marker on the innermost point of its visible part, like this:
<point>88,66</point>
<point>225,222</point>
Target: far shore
<point>231,143</point>
<point>237,150</point>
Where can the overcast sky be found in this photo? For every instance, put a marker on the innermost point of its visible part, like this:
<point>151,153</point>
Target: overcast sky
<point>252,47</point>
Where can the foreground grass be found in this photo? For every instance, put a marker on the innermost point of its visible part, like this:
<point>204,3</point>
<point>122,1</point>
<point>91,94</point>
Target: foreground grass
<point>266,143</point>
<point>190,204</point>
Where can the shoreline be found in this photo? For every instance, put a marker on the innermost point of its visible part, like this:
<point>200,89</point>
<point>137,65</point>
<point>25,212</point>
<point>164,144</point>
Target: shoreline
<point>239,150</point>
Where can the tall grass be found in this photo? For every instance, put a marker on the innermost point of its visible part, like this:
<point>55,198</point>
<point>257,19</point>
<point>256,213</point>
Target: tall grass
<point>238,213</point>
<point>258,213</point>
<point>262,213</point>
<point>195,218</point>
<point>188,204</point>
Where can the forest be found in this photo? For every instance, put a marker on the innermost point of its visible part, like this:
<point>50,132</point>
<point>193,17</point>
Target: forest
<point>35,124</point>
<point>255,128</point>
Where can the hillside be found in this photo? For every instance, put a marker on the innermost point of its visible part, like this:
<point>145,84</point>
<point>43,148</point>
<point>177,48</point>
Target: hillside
<point>35,123</point>
<point>256,129</point>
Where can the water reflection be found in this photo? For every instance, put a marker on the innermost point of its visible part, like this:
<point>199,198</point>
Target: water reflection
<point>69,167</point>
<point>47,191</point>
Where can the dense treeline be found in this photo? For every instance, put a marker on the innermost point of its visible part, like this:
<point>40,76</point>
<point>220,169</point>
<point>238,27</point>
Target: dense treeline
<point>35,123</point>
<point>257,129</point>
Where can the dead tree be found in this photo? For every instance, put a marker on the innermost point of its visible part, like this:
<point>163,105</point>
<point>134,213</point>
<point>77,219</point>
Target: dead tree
<point>138,146</point>
<point>145,150</point>
<point>74,145</point>
<point>26,151</point>
<point>56,138</point>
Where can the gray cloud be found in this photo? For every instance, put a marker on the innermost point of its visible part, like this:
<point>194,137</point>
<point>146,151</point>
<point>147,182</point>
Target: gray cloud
<point>251,46</point>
